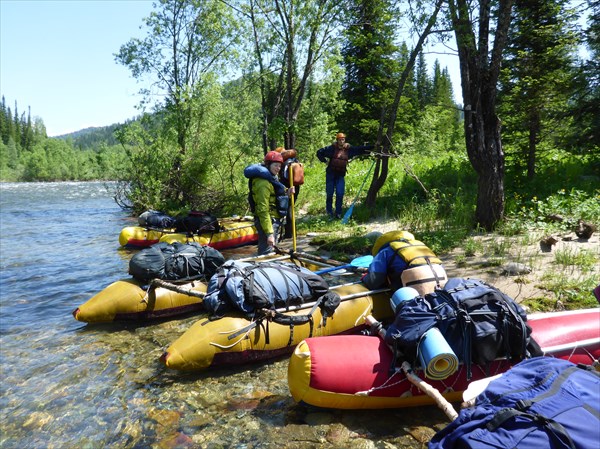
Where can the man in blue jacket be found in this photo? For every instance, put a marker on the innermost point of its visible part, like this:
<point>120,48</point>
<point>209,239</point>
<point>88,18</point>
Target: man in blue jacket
<point>338,154</point>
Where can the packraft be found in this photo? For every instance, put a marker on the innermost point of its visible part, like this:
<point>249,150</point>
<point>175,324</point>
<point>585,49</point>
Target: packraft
<point>156,219</point>
<point>542,402</point>
<point>281,198</point>
<point>197,222</point>
<point>251,286</point>
<point>479,322</point>
<point>179,261</point>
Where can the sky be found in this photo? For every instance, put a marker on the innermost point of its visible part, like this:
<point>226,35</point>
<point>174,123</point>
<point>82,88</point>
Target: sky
<point>57,58</point>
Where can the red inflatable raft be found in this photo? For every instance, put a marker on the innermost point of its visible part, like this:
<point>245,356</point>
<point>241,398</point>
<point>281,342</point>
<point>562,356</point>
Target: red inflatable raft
<point>352,371</point>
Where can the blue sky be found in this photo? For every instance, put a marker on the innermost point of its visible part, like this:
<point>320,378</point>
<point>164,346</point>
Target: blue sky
<point>57,58</point>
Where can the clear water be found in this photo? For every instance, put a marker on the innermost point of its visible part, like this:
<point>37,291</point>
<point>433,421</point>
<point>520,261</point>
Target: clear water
<point>64,384</point>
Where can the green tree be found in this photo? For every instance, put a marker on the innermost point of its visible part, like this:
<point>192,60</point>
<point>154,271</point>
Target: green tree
<point>424,84</point>
<point>481,43</point>
<point>538,76</point>
<point>585,105</point>
<point>289,39</point>
<point>371,64</point>
<point>424,21</point>
<point>187,41</point>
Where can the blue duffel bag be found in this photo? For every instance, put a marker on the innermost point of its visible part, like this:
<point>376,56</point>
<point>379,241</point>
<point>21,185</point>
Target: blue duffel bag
<point>541,402</point>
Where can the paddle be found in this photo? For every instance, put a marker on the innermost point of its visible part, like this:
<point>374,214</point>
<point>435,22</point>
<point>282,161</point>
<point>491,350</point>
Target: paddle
<point>291,176</point>
<point>359,262</point>
<point>416,380</point>
<point>348,213</point>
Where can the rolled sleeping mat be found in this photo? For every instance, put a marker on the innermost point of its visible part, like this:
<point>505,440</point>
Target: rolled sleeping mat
<point>402,294</point>
<point>436,356</point>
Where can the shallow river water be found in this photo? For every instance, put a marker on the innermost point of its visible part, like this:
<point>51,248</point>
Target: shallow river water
<point>64,384</point>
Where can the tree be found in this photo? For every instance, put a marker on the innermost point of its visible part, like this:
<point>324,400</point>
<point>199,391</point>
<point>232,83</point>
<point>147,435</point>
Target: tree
<point>423,83</point>
<point>289,38</point>
<point>371,64</point>
<point>390,114</point>
<point>187,40</point>
<point>538,76</point>
<point>585,105</point>
<point>479,72</point>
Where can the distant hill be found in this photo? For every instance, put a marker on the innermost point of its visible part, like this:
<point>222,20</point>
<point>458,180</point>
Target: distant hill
<point>94,137</point>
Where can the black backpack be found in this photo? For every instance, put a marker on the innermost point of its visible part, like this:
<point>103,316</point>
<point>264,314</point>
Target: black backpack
<point>479,322</point>
<point>176,262</point>
<point>197,222</point>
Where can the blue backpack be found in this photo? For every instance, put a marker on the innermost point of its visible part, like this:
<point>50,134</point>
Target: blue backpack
<point>479,322</point>
<point>539,403</point>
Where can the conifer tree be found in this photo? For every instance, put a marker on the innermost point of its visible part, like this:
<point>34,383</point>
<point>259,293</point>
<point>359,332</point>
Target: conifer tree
<point>538,76</point>
<point>370,60</point>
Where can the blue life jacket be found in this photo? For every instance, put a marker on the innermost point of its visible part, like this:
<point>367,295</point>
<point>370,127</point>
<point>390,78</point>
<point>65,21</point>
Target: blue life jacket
<point>260,171</point>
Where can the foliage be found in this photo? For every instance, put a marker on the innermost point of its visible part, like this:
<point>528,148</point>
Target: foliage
<point>187,42</point>
<point>372,67</point>
<point>537,79</point>
<point>290,39</point>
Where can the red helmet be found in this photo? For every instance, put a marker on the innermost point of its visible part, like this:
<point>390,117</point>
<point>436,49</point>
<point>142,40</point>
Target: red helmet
<point>273,156</point>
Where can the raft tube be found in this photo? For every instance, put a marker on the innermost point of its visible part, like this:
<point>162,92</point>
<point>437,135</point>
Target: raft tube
<point>352,371</point>
<point>235,232</point>
<point>223,342</point>
<point>129,299</point>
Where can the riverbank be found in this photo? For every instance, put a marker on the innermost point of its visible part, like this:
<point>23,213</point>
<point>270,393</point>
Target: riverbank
<point>520,266</point>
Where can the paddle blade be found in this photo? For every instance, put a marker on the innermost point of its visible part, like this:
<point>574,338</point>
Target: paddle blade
<point>348,214</point>
<point>362,262</point>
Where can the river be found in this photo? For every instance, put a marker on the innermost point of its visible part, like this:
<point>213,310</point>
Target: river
<point>64,384</point>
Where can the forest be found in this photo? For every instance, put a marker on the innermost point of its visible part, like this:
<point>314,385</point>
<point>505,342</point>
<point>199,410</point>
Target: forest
<point>239,78</point>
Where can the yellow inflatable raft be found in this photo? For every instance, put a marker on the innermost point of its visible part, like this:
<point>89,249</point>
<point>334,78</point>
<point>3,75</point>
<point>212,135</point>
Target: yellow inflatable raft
<point>235,232</point>
<point>234,340</point>
<point>127,299</point>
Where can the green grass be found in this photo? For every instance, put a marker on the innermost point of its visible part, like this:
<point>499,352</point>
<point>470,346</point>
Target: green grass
<point>436,202</point>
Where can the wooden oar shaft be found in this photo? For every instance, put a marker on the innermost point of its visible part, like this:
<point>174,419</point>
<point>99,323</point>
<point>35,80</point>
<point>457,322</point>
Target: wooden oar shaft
<point>186,291</point>
<point>426,388</point>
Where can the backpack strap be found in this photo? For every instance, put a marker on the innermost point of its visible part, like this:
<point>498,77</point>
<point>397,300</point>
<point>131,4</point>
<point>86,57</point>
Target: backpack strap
<point>554,429</point>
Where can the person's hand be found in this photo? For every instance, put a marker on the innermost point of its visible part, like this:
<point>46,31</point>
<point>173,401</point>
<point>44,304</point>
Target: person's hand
<point>271,240</point>
<point>291,191</point>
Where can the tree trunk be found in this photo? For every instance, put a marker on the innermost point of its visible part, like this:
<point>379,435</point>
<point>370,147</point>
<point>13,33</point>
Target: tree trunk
<point>384,145</point>
<point>534,132</point>
<point>479,70</point>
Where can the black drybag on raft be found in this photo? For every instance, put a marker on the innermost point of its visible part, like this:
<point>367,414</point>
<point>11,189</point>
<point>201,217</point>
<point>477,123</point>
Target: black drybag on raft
<point>197,222</point>
<point>156,220</point>
<point>479,322</point>
<point>177,261</point>
<point>253,288</point>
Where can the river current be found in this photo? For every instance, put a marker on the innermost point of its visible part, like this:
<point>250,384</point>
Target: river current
<point>65,384</point>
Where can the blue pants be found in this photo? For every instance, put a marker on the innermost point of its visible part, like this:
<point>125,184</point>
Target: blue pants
<point>334,183</point>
